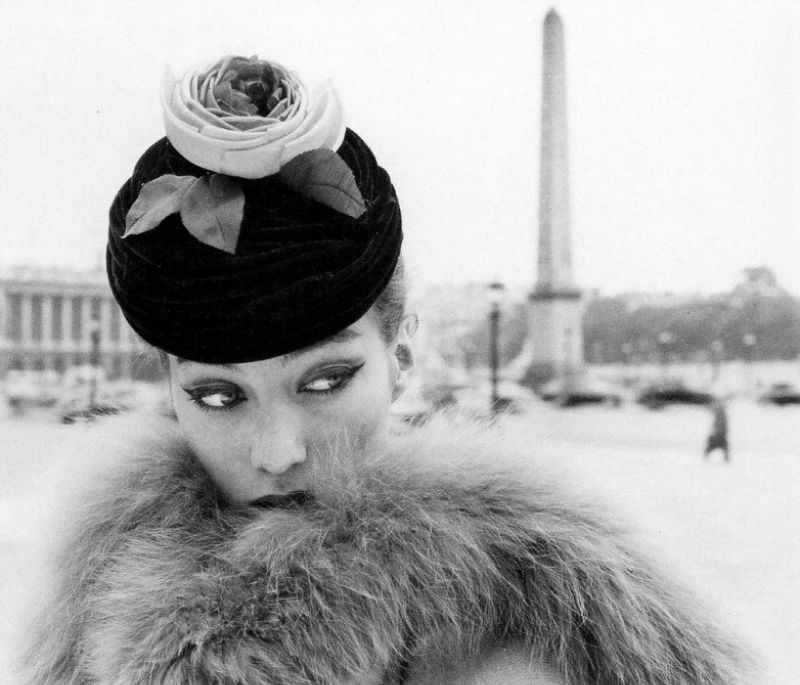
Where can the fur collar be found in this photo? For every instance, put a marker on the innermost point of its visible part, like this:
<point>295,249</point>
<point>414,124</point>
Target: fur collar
<point>424,551</point>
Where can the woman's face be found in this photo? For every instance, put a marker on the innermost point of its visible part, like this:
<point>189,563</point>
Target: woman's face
<point>257,426</point>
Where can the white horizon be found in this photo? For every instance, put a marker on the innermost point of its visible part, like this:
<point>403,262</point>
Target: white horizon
<point>682,124</point>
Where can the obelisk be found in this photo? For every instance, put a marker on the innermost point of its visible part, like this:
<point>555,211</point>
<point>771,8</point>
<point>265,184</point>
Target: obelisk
<point>556,307</point>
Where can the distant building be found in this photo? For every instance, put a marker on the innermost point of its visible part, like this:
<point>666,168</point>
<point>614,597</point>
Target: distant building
<point>638,300</point>
<point>47,317</point>
<point>759,281</point>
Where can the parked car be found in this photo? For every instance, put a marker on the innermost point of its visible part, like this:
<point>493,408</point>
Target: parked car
<point>476,401</point>
<point>577,394</point>
<point>78,408</point>
<point>781,394</point>
<point>87,413</point>
<point>662,394</point>
<point>30,388</point>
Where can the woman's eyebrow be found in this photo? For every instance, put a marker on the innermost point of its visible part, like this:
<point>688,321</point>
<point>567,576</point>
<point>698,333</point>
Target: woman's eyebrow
<point>340,337</point>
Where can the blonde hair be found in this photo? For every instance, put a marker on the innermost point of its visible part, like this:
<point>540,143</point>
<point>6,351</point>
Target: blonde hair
<point>390,307</point>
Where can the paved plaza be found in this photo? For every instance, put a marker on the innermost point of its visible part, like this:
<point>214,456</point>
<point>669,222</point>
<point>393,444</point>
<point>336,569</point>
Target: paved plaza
<point>730,531</point>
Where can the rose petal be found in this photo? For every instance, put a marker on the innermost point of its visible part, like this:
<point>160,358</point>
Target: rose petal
<point>224,64</point>
<point>323,123</point>
<point>207,118</point>
<point>278,110</point>
<point>241,105</point>
<point>251,123</point>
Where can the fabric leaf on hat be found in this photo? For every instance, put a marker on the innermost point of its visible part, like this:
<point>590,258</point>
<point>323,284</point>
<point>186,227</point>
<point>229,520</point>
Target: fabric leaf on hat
<point>322,175</point>
<point>211,208</point>
<point>212,211</point>
<point>157,200</point>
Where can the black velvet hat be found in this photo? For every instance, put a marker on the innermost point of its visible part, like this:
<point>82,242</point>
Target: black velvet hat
<point>300,271</point>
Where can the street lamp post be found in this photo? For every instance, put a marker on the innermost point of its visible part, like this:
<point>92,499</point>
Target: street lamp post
<point>627,354</point>
<point>495,294</point>
<point>717,352</point>
<point>749,343</point>
<point>94,358</point>
<point>664,341</point>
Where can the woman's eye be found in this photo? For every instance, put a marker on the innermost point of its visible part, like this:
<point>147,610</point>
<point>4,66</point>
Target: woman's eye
<point>215,398</point>
<point>330,381</point>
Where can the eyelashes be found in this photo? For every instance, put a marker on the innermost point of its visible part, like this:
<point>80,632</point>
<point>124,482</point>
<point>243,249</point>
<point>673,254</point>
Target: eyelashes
<point>225,396</point>
<point>215,398</point>
<point>330,380</point>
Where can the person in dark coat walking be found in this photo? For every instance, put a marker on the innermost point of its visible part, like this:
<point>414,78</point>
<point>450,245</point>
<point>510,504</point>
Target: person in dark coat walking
<point>718,438</point>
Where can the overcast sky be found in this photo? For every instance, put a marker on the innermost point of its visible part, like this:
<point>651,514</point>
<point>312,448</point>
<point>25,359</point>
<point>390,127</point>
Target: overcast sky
<point>683,123</point>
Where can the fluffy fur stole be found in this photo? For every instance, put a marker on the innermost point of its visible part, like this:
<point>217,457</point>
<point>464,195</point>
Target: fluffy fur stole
<point>422,553</point>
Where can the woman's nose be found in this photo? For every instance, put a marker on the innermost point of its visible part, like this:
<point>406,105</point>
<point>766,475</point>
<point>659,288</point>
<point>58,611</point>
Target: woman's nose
<point>277,446</point>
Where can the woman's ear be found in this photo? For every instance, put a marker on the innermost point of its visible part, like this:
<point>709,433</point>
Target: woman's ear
<point>403,355</point>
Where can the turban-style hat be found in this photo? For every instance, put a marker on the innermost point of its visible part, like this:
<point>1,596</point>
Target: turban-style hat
<point>297,271</point>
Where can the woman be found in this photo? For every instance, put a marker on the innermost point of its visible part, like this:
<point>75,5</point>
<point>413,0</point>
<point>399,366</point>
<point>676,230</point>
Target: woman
<point>275,530</point>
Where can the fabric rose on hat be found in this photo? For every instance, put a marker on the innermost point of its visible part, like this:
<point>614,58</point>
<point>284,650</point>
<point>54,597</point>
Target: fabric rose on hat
<point>248,117</point>
<point>245,119</point>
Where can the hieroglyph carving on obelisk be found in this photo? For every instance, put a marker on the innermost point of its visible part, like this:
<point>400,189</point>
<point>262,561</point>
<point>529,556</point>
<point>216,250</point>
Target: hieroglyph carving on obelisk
<point>556,309</point>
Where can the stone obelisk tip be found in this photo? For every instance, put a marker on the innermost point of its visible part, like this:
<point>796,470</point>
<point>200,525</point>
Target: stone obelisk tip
<point>552,16</point>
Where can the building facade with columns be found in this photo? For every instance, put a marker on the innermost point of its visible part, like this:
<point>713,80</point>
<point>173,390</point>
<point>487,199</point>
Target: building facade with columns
<point>47,320</point>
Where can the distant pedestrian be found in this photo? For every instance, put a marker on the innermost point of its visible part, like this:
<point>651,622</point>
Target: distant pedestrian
<point>718,438</point>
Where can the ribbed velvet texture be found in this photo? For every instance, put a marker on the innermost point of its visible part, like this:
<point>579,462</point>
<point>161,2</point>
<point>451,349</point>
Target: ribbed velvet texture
<point>302,271</point>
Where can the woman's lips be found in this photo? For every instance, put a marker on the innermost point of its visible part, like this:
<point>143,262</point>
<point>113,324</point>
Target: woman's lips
<point>289,500</point>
